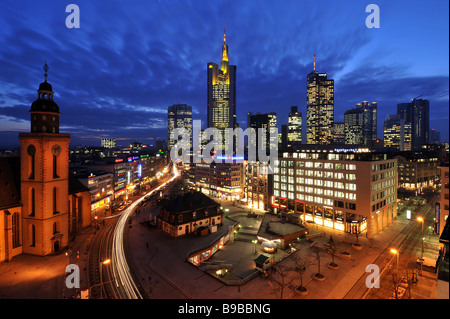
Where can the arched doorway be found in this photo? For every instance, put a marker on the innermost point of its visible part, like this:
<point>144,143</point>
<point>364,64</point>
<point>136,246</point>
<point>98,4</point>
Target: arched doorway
<point>56,246</point>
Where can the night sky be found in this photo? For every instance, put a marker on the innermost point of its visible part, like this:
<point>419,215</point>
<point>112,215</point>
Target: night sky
<point>116,75</point>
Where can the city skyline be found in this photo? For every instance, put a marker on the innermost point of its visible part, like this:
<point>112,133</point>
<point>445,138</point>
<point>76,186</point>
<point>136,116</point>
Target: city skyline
<point>116,75</point>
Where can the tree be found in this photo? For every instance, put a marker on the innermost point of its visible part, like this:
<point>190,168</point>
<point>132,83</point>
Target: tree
<point>300,266</point>
<point>317,251</point>
<point>332,248</point>
<point>278,279</point>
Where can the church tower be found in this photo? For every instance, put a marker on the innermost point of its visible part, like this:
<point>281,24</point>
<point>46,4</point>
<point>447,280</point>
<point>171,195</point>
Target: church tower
<point>44,171</point>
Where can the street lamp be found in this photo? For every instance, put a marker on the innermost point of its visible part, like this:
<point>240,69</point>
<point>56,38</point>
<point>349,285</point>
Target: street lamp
<point>395,252</point>
<point>255,242</point>
<point>420,219</point>
<point>105,262</point>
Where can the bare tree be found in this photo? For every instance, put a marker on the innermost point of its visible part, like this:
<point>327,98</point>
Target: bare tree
<point>317,251</point>
<point>279,280</point>
<point>300,266</point>
<point>332,248</point>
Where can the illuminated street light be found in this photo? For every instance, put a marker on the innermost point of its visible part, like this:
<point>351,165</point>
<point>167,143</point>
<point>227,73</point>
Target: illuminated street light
<point>255,242</point>
<point>420,219</point>
<point>105,262</point>
<point>395,252</point>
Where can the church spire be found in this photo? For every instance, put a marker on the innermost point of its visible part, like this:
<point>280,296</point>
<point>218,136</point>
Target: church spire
<point>46,70</point>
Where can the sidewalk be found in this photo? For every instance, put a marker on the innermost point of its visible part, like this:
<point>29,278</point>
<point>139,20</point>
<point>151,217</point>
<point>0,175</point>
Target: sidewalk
<point>43,277</point>
<point>162,268</point>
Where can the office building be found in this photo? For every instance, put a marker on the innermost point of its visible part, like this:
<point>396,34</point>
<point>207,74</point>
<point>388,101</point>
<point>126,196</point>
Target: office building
<point>341,188</point>
<point>319,108</point>
<point>397,133</point>
<point>339,133</point>
<point>267,141</point>
<point>294,135</point>
<point>353,121</point>
<point>444,199</point>
<point>435,136</point>
<point>221,92</point>
<point>108,142</point>
<point>417,112</point>
<point>417,169</point>
<point>179,117</point>
<point>259,185</point>
<point>361,124</point>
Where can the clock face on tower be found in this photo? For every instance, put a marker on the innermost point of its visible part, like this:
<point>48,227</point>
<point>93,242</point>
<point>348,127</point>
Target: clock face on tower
<point>56,150</point>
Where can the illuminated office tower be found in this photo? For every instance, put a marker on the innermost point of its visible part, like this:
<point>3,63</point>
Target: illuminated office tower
<point>222,96</point>
<point>339,133</point>
<point>266,121</point>
<point>369,122</point>
<point>397,133</point>
<point>361,124</point>
<point>179,116</point>
<point>418,114</point>
<point>353,121</point>
<point>319,108</point>
<point>108,142</point>
<point>294,137</point>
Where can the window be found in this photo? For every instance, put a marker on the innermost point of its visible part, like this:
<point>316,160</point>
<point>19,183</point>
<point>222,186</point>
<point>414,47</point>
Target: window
<point>32,236</point>
<point>32,202</point>
<point>15,230</point>
<point>54,200</point>
<point>31,150</point>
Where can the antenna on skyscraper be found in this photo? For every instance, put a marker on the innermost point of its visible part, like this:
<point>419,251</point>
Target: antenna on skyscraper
<point>314,61</point>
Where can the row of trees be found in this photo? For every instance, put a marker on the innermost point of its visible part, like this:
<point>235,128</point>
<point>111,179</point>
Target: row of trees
<point>280,277</point>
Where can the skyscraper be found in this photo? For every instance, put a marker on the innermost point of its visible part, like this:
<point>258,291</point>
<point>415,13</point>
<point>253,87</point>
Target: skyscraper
<point>369,124</point>
<point>418,114</point>
<point>397,133</point>
<point>353,121</point>
<point>266,121</point>
<point>294,137</point>
<point>361,124</point>
<point>319,108</point>
<point>339,133</point>
<point>179,116</point>
<point>222,95</point>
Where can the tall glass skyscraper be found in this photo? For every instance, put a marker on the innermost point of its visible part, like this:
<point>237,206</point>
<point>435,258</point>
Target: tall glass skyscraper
<point>179,116</point>
<point>267,121</point>
<point>361,124</point>
<point>294,137</point>
<point>319,108</point>
<point>222,95</point>
<point>418,114</point>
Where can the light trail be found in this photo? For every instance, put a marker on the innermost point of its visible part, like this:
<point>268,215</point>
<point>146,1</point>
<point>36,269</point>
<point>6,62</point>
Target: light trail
<point>119,265</point>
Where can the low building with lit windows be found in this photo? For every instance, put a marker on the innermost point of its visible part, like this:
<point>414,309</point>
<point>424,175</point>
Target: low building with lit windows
<point>189,213</point>
<point>349,189</point>
<point>418,169</point>
<point>221,180</point>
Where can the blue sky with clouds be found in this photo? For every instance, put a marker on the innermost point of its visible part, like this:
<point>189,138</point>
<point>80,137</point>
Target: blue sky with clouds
<point>116,75</point>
